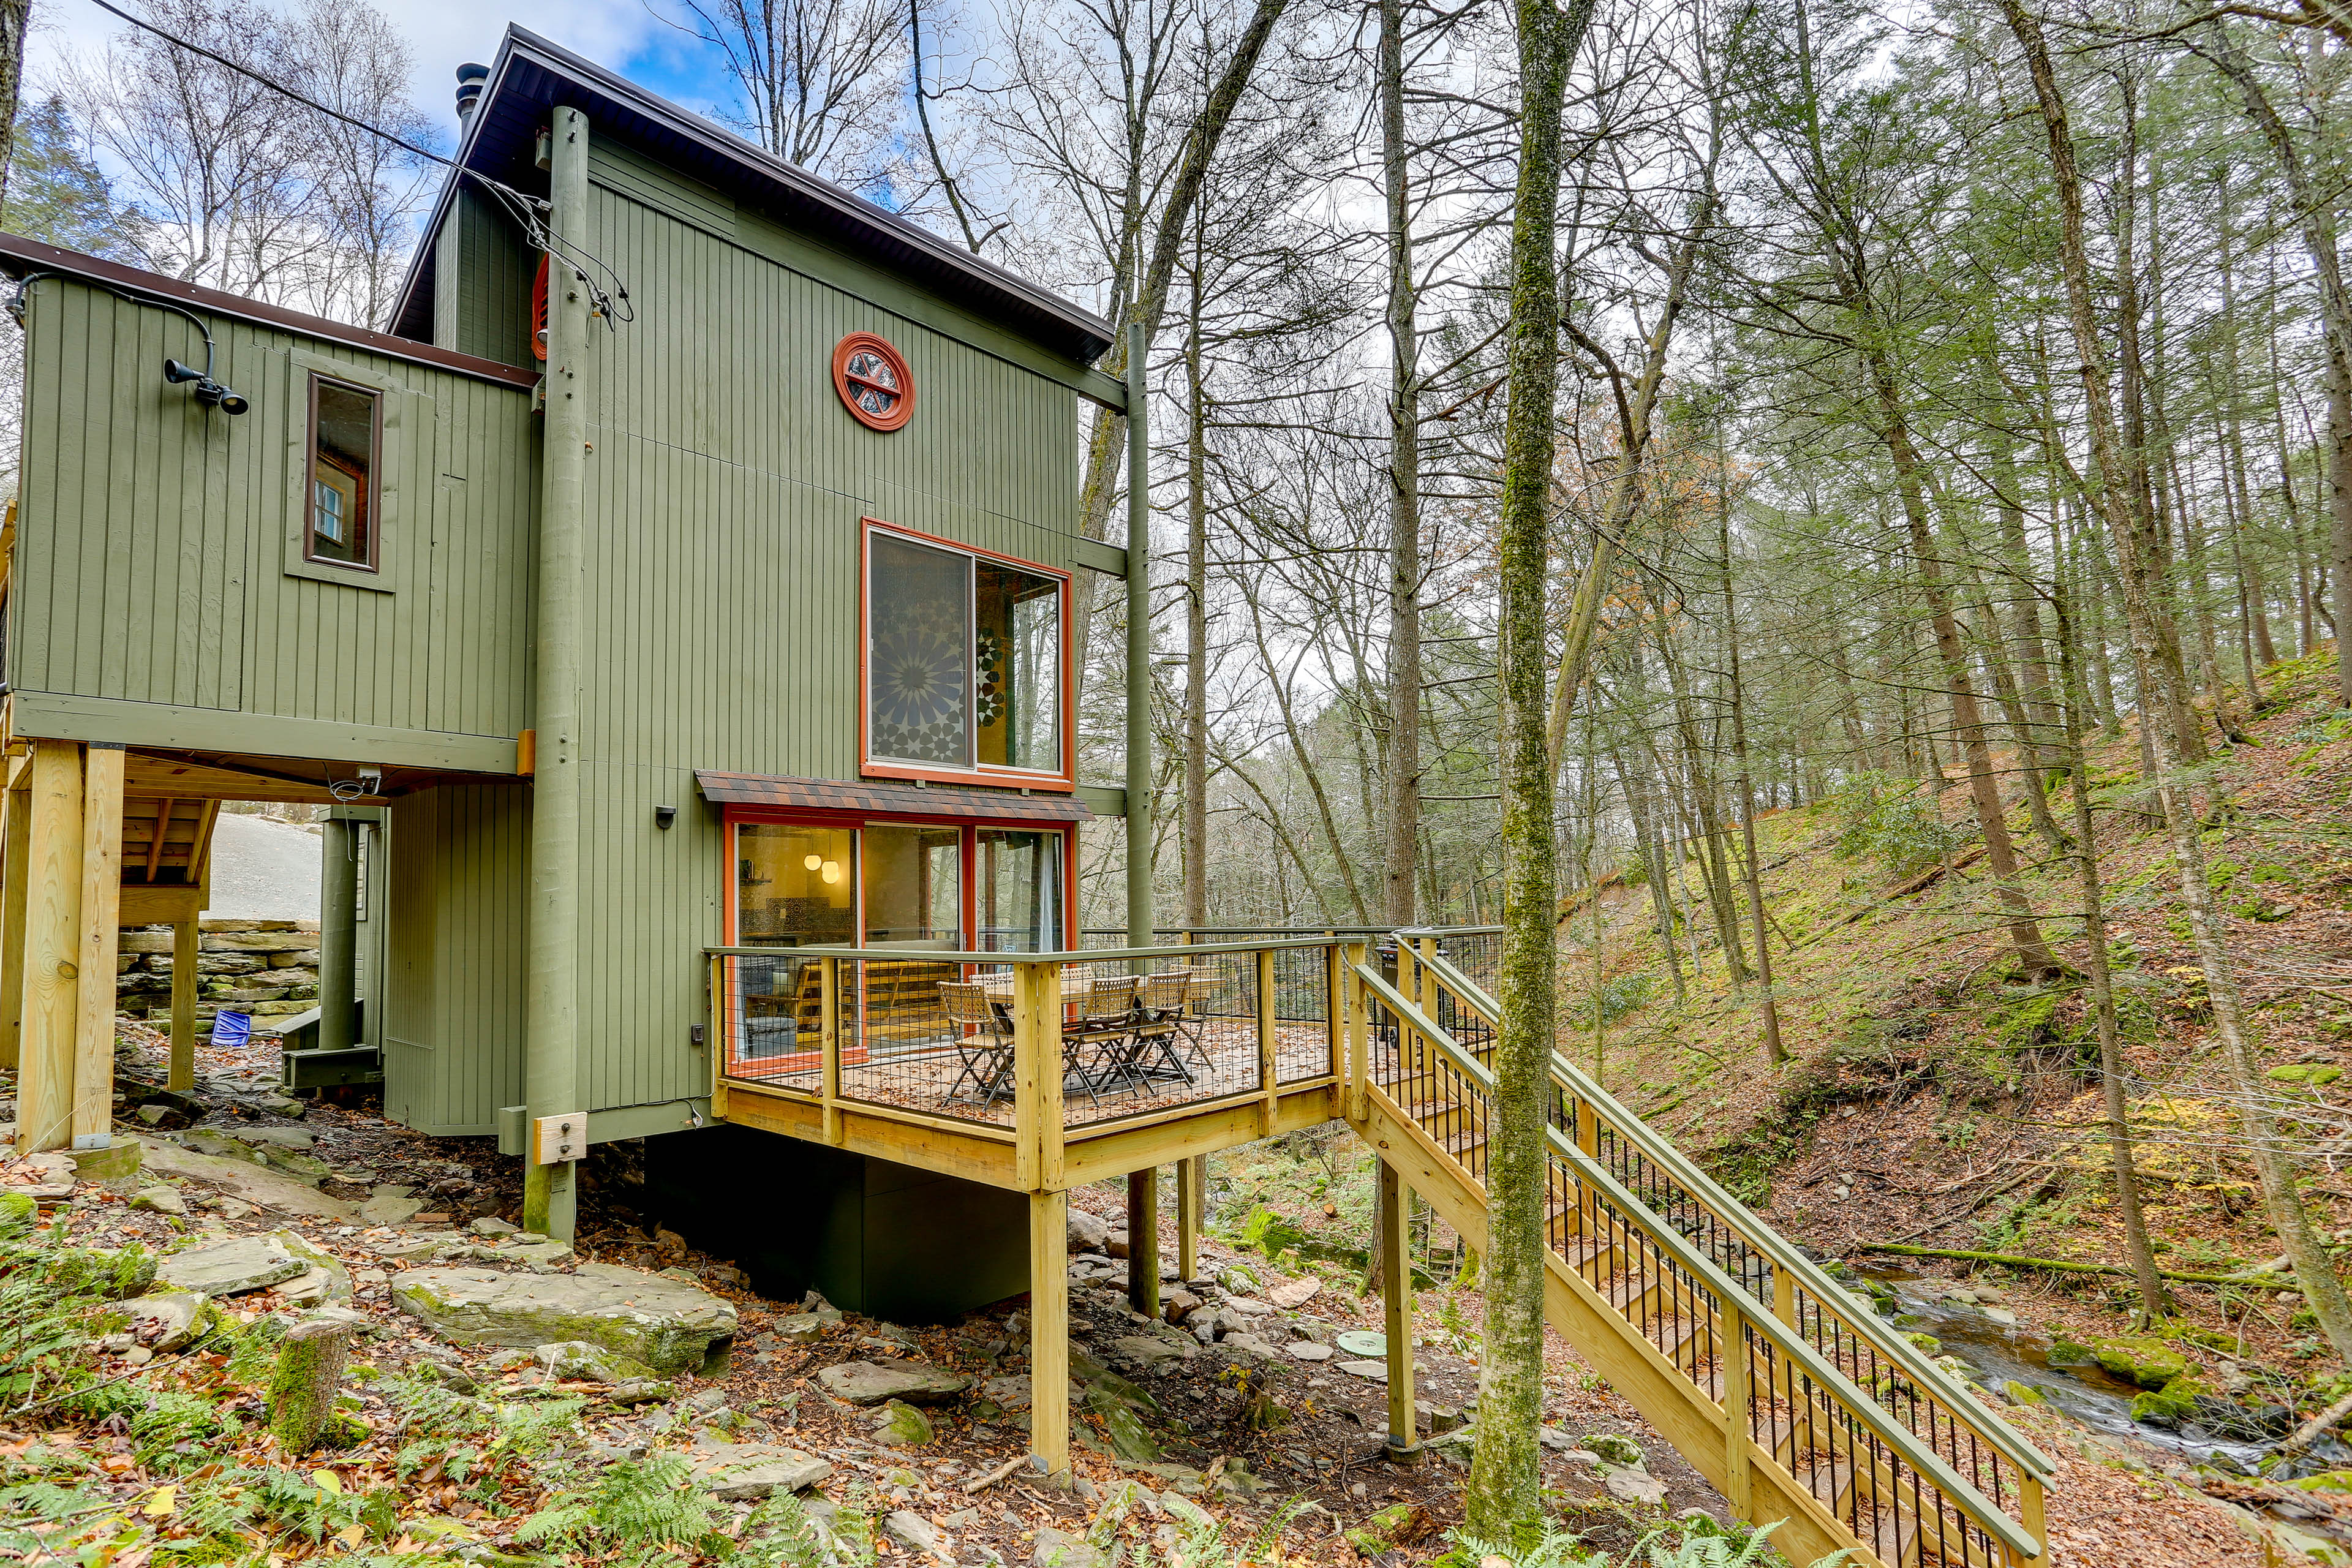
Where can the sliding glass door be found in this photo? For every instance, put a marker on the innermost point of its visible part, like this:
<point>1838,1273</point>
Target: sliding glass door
<point>1020,890</point>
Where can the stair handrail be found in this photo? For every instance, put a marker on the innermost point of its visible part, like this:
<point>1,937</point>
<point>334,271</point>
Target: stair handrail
<point>1915,1451</point>
<point>1782,1253</point>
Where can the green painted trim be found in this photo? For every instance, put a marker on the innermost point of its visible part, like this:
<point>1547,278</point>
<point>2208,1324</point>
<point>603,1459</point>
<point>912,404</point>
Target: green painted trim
<point>1103,800</point>
<point>1097,556</point>
<point>646,1120</point>
<point>59,716</point>
<point>766,238</point>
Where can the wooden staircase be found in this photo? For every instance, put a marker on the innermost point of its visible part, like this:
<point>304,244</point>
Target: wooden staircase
<point>1787,1392</point>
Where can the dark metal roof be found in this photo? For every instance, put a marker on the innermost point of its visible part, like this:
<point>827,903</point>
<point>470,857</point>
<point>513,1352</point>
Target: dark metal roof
<point>20,257</point>
<point>531,76</point>
<point>887,799</point>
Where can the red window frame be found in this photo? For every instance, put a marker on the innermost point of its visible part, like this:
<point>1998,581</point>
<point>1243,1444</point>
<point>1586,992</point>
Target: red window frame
<point>1065,782</point>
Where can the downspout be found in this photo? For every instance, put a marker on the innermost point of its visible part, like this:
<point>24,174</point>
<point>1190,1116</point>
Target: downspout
<point>1139,649</point>
<point>552,1038</point>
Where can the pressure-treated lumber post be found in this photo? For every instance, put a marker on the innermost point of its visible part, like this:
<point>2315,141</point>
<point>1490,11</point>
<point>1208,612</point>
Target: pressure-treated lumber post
<point>828,1013</point>
<point>1143,1240</point>
<point>52,992</point>
<point>1265,1042</point>
<point>1396,1310</point>
<point>100,936</point>
<point>1049,1330</point>
<point>339,951</point>
<point>1192,1196</point>
<point>185,947</point>
<point>16,876</point>
<point>2030,1514</point>
<point>1358,1035</point>
<point>1139,649</point>
<point>1731,1351</point>
<point>551,1034</point>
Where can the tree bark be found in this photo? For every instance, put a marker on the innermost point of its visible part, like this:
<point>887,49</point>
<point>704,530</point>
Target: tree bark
<point>1505,1486</point>
<point>1196,622</point>
<point>1404,482</point>
<point>309,1377</point>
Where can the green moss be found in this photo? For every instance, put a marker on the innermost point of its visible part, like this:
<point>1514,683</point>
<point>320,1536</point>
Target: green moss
<point>2149,1362</point>
<point>2312,1073</point>
<point>2174,1402</point>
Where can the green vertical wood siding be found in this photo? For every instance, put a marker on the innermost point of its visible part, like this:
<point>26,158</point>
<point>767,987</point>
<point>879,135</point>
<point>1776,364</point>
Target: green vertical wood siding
<point>152,539</point>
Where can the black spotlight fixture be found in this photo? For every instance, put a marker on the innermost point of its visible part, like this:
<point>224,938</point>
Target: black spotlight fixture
<point>209,392</point>
<point>663,816</point>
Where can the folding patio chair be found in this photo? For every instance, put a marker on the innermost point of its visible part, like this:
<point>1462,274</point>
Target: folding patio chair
<point>983,1040</point>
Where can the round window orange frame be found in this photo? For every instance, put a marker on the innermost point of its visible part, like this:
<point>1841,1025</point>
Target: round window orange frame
<point>852,385</point>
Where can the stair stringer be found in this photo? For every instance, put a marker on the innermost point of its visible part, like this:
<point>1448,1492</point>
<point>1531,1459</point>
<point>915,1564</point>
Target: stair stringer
<point>1695,1426</point>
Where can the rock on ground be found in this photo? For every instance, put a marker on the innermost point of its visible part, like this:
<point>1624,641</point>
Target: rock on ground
<point>667,1324</point>
<point>912,1529</point>
<point>166,1320</point>
<point>747,1472</point>
<point>863,1383</point>
<point>233,1267</point>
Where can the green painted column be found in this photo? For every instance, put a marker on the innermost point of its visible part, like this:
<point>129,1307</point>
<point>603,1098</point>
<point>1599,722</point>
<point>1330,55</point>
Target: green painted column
<point>1138,648</point>
<point>339,954</point>
<point>551,1032</point>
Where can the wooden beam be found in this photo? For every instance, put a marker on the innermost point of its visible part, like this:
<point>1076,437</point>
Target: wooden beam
<point>52,997</point>
<point>15,836</point>
<point>1396,1306</point>
<point>168,905</point>
<point>1049,1330</point>
<point>200,855</point>
<point>1191,1193</point>
<point>184,1004</point>
<point>1143,1240</point>
<point>155,839</point>
<point>101,930</point>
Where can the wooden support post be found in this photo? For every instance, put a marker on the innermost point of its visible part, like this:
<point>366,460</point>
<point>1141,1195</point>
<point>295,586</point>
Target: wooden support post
<point>339,954</point>
<point>828,1013</point>
<point>1143,1240</point>
<point>52,999</point>
<point>1731,1351</point>
<point>2030,1514</point>
<point>1265,1042</point>
<point>1191,1198</point>
<point>185,945</point>
<point>1784,1386</point>
<point>1395,1220</point>
<point>1358,1035</point>
<point>100,936</point>
<point>1049,1330</point>
<point>16,876</point>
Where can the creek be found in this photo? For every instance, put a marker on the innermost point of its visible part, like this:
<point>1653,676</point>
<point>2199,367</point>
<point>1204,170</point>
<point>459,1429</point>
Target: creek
<point>1997,1353</point>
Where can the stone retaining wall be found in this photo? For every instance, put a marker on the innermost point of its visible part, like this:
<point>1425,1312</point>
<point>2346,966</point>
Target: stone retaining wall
<point>261,967</point>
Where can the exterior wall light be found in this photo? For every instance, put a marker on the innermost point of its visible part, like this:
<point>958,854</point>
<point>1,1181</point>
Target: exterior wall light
<point>663,816</point>
<point>210,393</point>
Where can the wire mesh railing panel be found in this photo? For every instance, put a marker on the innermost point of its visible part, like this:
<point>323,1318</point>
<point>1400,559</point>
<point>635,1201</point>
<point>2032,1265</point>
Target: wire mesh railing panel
<point>1304,1047</point>
<point>768,1019</point>
<point>928,1035</point>
<point>1142,1035</point>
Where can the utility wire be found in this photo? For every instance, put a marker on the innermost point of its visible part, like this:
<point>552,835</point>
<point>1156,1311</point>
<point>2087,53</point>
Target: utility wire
<point>525,208</point>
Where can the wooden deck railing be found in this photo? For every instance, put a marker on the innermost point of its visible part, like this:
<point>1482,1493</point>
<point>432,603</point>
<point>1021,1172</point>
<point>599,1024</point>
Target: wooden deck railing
<point>972,1040</point>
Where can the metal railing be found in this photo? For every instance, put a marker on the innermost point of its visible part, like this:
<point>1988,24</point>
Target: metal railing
<point>1850,1412</point>
<point>964,1038</point>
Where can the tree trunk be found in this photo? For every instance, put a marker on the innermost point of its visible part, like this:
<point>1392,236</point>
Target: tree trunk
<point>309,1377</point>
<point>1769,1017</point>
<point>1404,482</point>
<point>1196,622</point>
<point>1505,1487</point>
<point>2314,1269</point>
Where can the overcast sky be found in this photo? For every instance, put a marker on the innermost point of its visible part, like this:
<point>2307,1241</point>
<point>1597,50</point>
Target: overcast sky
<point>618,34</point>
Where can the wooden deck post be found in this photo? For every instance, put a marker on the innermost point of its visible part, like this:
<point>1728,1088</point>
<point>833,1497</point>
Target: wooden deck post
<point>1191,1195</point>
<point>1358,1035</point>
<point>1265,1042</point>
<point>1049,1330</point>
<point>828,1013</point>
<point>1143,1240</point>
<point>1396,1310</point>
<point>185,945</point>
<point>1731,1351</point>
<point>16,876</point>
<point>52,993</point>
<point>96,943</point>
<point>339,954</point>
<point>2030,1513</point>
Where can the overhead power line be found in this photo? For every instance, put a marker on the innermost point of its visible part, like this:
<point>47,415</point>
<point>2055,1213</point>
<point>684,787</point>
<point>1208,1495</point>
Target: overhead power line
<point>526,209</point>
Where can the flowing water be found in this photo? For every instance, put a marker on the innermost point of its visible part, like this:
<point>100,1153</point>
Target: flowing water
<point>2091,1394</point>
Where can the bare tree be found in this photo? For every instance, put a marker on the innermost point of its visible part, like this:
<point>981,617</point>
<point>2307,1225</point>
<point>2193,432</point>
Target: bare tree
<point>819,79</point>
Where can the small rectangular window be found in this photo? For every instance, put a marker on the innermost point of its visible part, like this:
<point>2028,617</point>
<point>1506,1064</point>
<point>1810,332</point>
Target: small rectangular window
<point>346,429</point>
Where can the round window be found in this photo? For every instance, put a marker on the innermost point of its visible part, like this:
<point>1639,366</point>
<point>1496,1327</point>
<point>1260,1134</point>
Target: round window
<point>873,380</point>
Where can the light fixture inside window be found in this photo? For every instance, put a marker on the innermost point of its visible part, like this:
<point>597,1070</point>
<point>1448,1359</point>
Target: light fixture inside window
<point>812,862</point>
<point>831,871</point>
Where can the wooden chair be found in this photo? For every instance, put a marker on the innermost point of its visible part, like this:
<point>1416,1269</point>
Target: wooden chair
<point>1160,1009</point>
<point>1103,1029</point>
<point>982,1033</point>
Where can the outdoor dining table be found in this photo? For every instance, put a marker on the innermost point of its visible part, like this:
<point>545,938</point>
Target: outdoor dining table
<point>1114,1040</point>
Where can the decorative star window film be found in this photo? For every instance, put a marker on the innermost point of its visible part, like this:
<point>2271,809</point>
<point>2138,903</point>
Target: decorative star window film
<point>874,381</point>
<point>963,661</point>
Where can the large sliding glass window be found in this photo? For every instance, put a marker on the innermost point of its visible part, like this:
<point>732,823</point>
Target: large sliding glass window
<point>1020,891</point>
<point>963,661</point>
<point>914,887</point>
<point>795,887</point>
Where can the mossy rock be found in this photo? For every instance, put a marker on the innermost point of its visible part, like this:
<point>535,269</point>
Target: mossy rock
<point>2325,1481</point>
<point>1400,1524</point>
<point>1927,1342</point>
<point>903,1426</point>
<point>2022,1392</point>
<point>2025,1024</point>
<point>1614,1448</point>
<point>2317,1075</point>
<point>2170,1406</point>
<point>20,1216</point>
<point>2149,1362</point>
